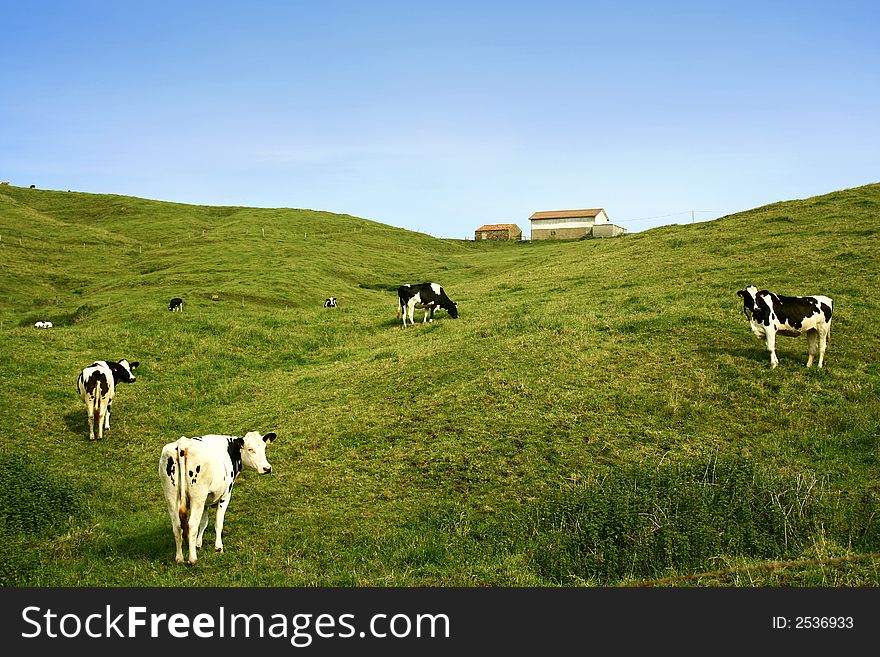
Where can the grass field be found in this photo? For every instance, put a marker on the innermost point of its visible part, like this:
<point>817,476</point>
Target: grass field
<point>599,415</point>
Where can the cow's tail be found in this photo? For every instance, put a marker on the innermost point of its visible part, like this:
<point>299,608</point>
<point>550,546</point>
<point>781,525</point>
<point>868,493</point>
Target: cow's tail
<point>181,453</point>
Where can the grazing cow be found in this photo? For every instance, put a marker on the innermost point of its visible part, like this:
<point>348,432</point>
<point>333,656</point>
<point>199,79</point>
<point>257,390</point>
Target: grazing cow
<point>330,302</point>
<point>773,314</point>
<point>42,324</point>
<point>176,304</point>
<point>96,385</point>
<point>429,296</point>
<point>33,186</point>
<point>199,472</point>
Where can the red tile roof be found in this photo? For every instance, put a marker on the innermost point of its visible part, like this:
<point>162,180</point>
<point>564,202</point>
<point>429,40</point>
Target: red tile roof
<point>498,227</point>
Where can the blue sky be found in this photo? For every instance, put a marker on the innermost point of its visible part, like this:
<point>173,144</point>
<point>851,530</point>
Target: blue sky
<point>442,116</point>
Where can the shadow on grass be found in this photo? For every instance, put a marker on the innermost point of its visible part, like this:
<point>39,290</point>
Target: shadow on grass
<point>754,354</point>
<point>154,543</point>
<point>75,421</point>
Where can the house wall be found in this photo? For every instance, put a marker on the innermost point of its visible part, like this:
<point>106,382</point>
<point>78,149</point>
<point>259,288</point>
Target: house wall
<point>491,235</point>
<point>608,230</point>
<point>572,228</point>
<point>498,235</point>
<point>570,233</point>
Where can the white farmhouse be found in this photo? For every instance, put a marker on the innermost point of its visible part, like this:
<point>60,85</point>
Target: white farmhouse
<point>573,224</point>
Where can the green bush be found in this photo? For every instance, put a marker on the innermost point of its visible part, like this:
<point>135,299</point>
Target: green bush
<point>645,522</point>
<point>34,505</point>
<point>32,501</point>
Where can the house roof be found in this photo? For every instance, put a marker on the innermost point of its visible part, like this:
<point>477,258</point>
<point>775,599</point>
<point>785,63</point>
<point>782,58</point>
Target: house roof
<point>498,227</point>
<point>566,214</point>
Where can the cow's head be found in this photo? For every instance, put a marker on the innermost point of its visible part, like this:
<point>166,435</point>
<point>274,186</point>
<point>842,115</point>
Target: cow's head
<point>749,297</point>
<point>124,371</point>
<point>452,309</point>
<point>253,451</point>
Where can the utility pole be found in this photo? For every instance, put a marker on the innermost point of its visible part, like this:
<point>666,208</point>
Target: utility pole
<point>692,216</point>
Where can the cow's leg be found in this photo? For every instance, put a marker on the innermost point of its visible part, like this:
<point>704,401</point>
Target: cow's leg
<point>202,525</point>
<point>771,347</point>
<point>107,414</point>
<point>823,337</point>
<point>410,309</point>
<point>91,414</point>
<point>100,416</point>
<point>178,537</point>
<point>812,345</point>
<point>218,523</point>
<point>176,528</point>
<point>196,511</point>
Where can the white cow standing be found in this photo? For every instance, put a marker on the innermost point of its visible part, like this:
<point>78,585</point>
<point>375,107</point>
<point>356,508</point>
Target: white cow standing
<point>772,314</point>
<point>96,385</point>
<point>429,296</point>
<point>199,472</point>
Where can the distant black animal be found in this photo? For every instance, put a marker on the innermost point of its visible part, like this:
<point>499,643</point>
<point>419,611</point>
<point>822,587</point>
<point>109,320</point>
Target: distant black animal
<point>429,296</point>
<point>33,186</point>
<point>330,302</point>
<point>176,304</point>
<point>772,314</point>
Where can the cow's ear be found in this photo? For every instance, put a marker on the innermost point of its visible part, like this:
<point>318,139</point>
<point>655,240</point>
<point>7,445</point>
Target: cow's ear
<point>270,437</point>
<point>741,293</point>
<point>134,364</point>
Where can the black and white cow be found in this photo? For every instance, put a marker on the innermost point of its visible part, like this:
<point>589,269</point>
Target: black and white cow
<point>773,314</point>
<point>43,324</point>
<point>429,296</point>
<point>199,472</point>
<point>176,304</point>
<point>330,302</point>
<point>96,385</point>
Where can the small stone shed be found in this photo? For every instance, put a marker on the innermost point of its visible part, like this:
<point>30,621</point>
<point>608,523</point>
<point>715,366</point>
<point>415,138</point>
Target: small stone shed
<point>508,232</point>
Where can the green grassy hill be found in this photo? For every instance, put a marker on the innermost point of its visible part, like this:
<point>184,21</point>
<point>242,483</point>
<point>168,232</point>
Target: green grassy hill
<point>600,414</point>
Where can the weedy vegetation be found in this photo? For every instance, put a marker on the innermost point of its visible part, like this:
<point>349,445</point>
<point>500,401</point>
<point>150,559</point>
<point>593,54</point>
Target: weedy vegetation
<point>599,415</point>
